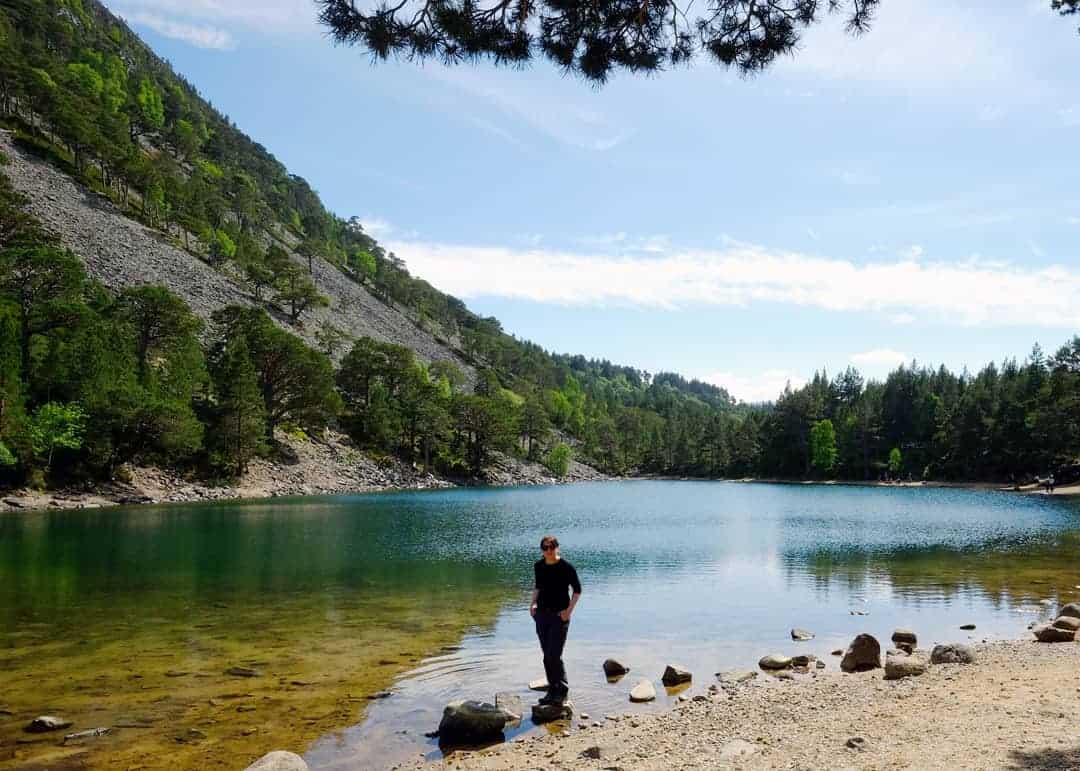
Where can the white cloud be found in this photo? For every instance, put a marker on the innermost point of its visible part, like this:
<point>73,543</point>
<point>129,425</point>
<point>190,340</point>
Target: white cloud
<point>880,357</point>
<point>198,35</point>
<point>970,292</point>
<point>912,252</point>
<point>762,387</point>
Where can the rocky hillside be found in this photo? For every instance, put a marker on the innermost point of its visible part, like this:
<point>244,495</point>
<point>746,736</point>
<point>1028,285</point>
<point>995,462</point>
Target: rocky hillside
<point>121,252</point>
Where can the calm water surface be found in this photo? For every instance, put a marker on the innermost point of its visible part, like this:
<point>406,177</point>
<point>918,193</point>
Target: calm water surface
<point>133,615</point>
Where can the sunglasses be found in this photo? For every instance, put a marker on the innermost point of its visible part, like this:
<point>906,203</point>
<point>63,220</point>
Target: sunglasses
<point>548,548</point>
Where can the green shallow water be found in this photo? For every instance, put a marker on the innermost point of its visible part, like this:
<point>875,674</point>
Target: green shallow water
<point>130,618</point>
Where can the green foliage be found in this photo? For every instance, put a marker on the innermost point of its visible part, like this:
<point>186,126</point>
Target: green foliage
<point>896,461</point>
<point>238,417</point>
<point>56,427</point>
<point>221,246</point>
<point>823,450</point>
<point>7,459</point>
<point>558,459</point>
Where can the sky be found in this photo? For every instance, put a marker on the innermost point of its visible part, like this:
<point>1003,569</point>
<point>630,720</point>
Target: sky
<point>909,195</point>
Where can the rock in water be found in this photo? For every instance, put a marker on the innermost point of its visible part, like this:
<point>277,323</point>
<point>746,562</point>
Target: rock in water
<point>92,733</point>
<point>510,703</point>
<point>952,653</point>
<point>862,655</point>
<point>775,661</point>
<point>1072,609</point>
<point>674,675</point>
<point>1067,622</point>
<point>45,723</point>
<point>547,713</point>
<point>967,627</point>
<point>643,691</point>
<point>468,722</point>
<point>801,634</point>
<point>1050,634</point>
<point>803,661</point>
<point>278,761</point>
<point>538,685</point>
<point>614,668</point>
<point>242,672</point>
<point>899,664</point>
<point>905,636</point>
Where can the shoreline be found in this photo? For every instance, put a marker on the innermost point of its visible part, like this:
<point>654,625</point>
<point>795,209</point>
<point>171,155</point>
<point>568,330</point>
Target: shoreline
<point>301,467</point>
<point>333,467</point>
<point>1024,691</point>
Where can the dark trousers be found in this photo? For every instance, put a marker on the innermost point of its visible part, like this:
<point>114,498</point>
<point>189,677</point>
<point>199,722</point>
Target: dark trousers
<point>552,633</point>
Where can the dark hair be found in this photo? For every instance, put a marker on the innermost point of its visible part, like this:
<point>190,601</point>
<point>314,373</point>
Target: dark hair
<point>549,540</point>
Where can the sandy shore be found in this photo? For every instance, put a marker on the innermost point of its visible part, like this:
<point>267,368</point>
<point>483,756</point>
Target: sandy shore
<point>1016,708</point>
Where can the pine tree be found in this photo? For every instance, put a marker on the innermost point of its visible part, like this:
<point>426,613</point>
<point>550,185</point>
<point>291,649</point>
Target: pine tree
<point>239,424</point>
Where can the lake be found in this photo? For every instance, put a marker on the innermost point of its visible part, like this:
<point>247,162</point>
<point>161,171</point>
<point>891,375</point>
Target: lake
<point>338,627</point>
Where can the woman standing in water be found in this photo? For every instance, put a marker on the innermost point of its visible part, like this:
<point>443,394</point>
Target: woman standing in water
<point>551,607</point>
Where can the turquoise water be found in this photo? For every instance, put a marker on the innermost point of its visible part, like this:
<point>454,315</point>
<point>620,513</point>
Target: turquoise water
<point>709,575</point>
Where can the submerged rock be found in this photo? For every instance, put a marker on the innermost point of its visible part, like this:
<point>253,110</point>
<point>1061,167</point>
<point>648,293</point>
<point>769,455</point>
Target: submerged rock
<point>279,760</point>
<point>45,723</point>
<point>801,634</point>
<point>899,664</point>
<point>1051,634</point>
<point>643,691</point>
<point>862,655</point>
<point>675,675</point>
<point>243,672</point>
<point>775,661</point>
<point>615,668</point>
<point>467,722</point>
<point>952,653</point>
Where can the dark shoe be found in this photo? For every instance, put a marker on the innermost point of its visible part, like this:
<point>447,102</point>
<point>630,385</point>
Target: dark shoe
<point>548,699</point>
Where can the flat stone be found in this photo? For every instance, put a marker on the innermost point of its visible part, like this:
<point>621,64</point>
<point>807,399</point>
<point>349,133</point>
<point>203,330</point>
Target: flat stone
<point>967,627</point>
<point>775,661</point>
<point>1072,609</point>
<point>899,664</point>
<point>511,704</point>
<point>801,634</point>
<point>856,743</point>
<point>1067,622</point>
<point>45,723</point>
<point>643,691</point>
<point>675,675</point>
<point>279,760</point>
<point>243,672</point>
<point>734,677</point>
<point>539,685</point>
<point>548,713</point>
<point>1051,634</point>
<point>952,653</point>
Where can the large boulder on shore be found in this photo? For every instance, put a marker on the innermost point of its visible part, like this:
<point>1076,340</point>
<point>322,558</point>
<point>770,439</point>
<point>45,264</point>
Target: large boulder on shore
<point>862,655</point>
<point>615,668</point>
<point>1067,622</point>
<point>775,661</point>
<point>1051,634</point>
<point>675,675</point>
<point>1072,609</point>
<point>468,722</point>
<point>899,664</point>
<point>279,760</point>
<point>952,653</point>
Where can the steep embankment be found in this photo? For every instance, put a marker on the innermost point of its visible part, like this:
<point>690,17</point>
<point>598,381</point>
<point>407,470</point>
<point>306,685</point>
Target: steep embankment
<point>120,252</point>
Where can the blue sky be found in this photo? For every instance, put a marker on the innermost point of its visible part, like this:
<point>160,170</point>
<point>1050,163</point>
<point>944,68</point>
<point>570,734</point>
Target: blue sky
<point>911,194</point>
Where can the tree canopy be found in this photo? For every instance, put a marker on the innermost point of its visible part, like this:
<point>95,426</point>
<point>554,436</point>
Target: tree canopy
<point>593,39</point>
